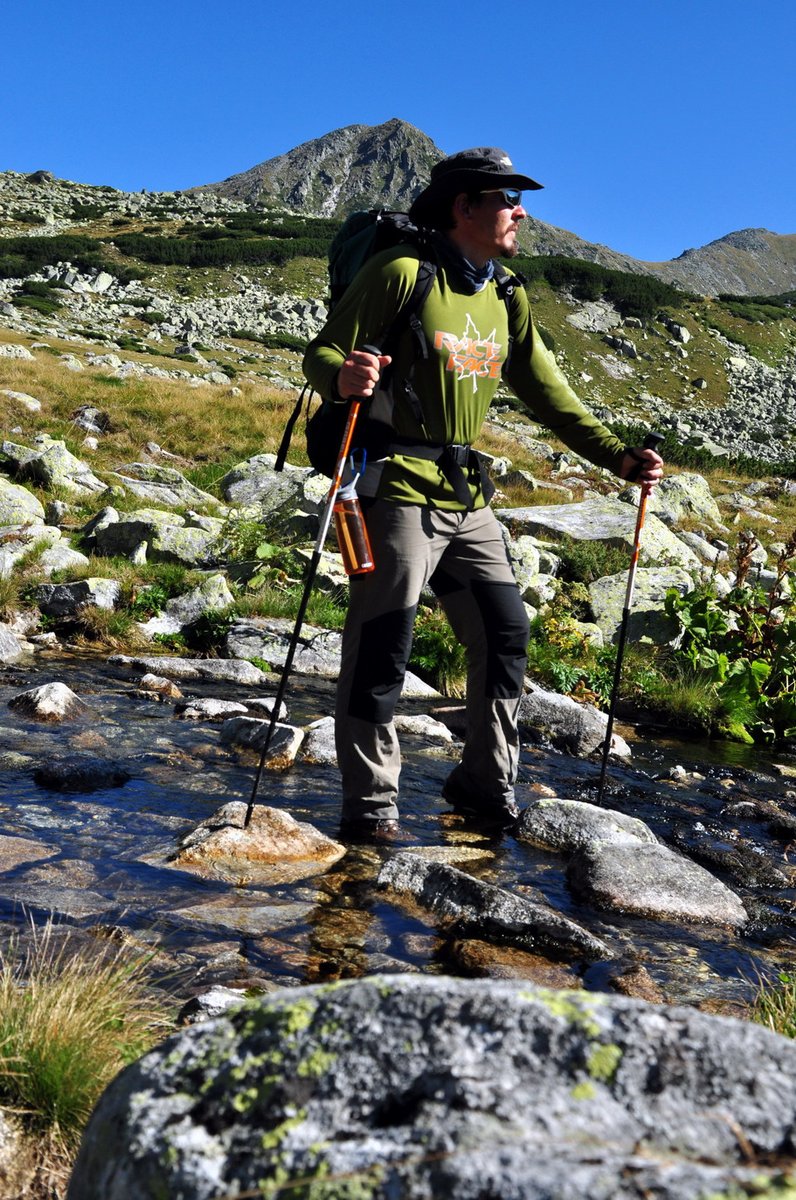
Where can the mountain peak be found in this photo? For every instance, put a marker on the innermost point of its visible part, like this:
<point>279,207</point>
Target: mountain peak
<point>359,166</point>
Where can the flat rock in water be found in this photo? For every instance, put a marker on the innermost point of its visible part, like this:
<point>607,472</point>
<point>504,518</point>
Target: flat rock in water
<point>481,910</point>
<point>80,773</point>
<point>572,825</point>
<point>230,670</point>
<point>50,702</point>
<point>209,709</point>
<point>430,1087</point>
<point>654,882</point>
<point>17,850</point>
<point>272,837</point>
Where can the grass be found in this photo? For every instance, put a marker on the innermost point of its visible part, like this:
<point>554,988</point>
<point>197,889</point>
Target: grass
<point>71,1017</point>
<point>775,1005</point>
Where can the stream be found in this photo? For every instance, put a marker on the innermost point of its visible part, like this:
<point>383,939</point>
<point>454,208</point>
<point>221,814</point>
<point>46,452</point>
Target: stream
<point>95,861</point>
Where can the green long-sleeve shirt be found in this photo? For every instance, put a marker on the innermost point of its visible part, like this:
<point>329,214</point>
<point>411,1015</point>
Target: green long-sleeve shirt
<point>468,340</point>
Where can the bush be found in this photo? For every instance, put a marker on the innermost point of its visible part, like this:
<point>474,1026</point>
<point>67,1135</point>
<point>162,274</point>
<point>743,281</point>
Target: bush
<point>634,295</point>
<point>744,646</point>
<point>437,655</point>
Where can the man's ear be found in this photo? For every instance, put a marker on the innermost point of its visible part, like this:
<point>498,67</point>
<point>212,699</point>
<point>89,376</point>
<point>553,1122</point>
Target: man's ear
<point>461,208</point>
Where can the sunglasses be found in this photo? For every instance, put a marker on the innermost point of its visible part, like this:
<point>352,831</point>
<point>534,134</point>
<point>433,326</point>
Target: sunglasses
<point>512,198</point>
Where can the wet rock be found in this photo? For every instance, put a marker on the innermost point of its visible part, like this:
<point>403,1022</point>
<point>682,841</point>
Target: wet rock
<point>211,1004</point>
<point>226,669</point>
<point>571,825</point>
<point>654,882</point>
<point>637,982</point>
<point>80,773</point>
<point>740,859</point>
<point>283,746</point>
<point>481,910</point>
<point>449,1087</point>
<point>252,920</point>
<point>65,599</point>
<point>160,686</point>
<point>17,850</point>
<point>272,837</point>
<point>576,728</point>
<point>318,747</point>
<point>209,710</point>
<point>480,960</point>
<point>50,702</point>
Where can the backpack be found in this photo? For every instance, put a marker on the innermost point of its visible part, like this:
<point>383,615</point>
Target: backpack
<point>362,235</point>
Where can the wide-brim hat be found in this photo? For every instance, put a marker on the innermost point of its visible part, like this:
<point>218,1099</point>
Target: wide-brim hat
<point>481,168</point>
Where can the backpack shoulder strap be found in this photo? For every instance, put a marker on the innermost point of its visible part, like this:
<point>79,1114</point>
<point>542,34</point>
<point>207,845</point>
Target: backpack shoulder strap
<point>507,284</point>
<point>284,445</point>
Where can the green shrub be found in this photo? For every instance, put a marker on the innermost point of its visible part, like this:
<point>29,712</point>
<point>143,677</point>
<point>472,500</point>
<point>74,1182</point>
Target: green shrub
<point>437,655</point>
<point>634,295</point>
<point>744,645</point>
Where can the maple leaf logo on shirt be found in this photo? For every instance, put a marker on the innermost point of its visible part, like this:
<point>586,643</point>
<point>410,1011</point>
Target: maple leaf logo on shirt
<point>470,356</point>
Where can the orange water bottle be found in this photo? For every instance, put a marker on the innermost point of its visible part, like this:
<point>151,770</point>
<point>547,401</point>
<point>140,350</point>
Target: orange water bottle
<point>352,533</point>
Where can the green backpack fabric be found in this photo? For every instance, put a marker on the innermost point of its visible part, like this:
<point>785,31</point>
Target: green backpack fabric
<point>362,235</point>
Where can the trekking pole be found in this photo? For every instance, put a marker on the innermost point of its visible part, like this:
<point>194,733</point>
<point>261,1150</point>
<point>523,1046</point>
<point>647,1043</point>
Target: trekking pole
<point>651,442</point>
<point>331,496</point>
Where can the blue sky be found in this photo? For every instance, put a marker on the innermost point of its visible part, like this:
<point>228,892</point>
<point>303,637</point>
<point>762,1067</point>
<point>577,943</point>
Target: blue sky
<point>655,126</point>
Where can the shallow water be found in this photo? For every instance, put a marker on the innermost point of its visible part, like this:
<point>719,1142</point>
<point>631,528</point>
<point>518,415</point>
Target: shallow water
<point>107,874</point>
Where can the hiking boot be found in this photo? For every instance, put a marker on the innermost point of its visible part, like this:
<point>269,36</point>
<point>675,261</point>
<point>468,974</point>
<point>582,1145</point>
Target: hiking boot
<point>497,815</point>
<point>364,831</point>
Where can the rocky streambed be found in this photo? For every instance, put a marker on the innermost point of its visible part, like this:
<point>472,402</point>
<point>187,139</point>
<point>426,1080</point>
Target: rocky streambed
<point>679,888</point>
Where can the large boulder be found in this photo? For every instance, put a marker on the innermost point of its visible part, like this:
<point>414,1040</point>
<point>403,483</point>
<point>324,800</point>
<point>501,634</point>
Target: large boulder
<point>568,724</point>
<point>66,599</point>
<point>647,620</point>
<point>679,498</point>
<point>604,519</point>
<point>211,595</point>
<point>162,486</point>
<point>18,506</point>
<point>428,1087</point>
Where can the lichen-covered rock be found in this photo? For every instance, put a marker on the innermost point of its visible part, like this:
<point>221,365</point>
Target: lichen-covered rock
<point>162,486</point>
<point>18,506</point>
<point>422,1086</point>
<point>211,595</point>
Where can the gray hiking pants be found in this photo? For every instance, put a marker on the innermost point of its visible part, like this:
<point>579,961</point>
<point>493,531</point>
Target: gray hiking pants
<point>462,556</point>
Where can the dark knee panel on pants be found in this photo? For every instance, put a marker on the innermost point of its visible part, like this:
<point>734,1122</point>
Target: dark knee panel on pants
<point>384,647</point>
<point>507,629</point>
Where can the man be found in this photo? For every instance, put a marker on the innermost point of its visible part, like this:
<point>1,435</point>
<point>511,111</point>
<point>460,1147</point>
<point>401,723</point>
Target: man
<point>426,500</point>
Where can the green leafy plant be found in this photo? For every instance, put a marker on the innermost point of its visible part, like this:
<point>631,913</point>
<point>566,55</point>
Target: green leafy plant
<point>745,645</point>
<point>437,655</point>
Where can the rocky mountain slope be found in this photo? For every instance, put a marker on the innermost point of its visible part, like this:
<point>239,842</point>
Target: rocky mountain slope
<point>387,165</point>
